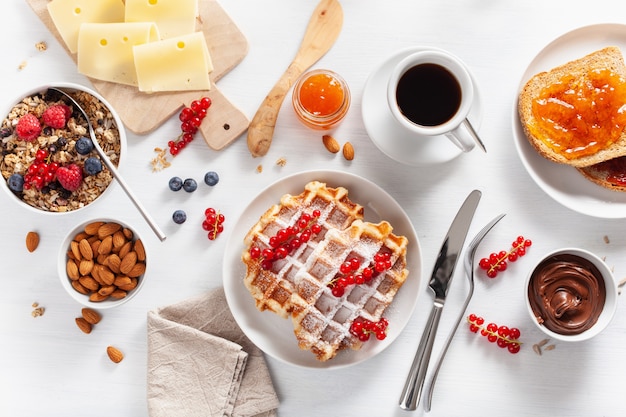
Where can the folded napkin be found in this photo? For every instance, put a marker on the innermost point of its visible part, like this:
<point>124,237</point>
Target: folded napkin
<point>201,364</point>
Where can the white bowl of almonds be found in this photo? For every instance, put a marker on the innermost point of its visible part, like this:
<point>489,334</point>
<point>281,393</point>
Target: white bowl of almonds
<point>47,160</point>
<point>102,263</point>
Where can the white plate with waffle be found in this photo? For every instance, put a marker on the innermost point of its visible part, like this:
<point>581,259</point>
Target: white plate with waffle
<point>274,334</point>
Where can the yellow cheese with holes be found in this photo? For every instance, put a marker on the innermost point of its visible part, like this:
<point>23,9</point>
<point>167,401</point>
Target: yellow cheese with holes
<point>105,50</point>
<point>173,17</point>
<point>177,64</point>
<point>68,15</point>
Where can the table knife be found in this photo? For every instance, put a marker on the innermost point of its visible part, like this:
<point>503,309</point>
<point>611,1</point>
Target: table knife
<point>439,284</point>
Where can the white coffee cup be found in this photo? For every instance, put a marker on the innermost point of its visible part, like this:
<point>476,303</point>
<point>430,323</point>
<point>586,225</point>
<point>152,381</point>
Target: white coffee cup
<point>431,93</point>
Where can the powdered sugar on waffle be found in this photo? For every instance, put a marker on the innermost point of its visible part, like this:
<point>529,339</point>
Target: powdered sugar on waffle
<point>272,289</point>
<point>321,320</point>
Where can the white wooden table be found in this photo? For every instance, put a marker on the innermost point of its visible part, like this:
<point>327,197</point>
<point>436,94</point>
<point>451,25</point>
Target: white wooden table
<point>48,367</point>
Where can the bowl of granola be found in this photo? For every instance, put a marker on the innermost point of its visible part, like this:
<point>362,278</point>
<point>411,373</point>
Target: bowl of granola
<point>47,160</point>
<point>102,263</point>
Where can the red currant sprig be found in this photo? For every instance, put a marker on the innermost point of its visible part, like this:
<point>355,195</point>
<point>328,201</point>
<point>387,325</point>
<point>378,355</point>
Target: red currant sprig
<point>41,172</point>
<point>213,223</point>
<point>497,262</point>
<point>191,118</point>
<point>362,328</point>
<point>503,336</point>
<point>287,240</point>
<point>349,273</point>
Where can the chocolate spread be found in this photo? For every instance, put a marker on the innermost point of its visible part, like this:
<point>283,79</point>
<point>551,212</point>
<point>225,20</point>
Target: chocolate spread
<point>566,294</point>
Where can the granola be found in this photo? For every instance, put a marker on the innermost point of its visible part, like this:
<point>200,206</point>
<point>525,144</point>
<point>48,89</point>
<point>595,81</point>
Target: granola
<point>16,155</point>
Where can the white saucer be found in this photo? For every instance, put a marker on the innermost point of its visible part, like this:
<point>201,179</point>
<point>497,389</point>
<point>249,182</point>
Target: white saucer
<point>390,137</point>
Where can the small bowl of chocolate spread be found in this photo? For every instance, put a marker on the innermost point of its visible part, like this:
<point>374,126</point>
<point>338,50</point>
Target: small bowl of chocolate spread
<point>571,294</point>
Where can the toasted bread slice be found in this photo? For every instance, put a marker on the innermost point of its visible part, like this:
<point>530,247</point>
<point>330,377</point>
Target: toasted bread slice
<point>609,174</point>
<point>609,58</point>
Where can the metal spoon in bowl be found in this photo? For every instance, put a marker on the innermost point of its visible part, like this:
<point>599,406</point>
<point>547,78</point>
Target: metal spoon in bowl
<point>107,162</point>
<point>469,271</point>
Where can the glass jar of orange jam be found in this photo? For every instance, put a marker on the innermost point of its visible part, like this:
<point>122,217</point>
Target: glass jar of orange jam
<point>321,99</point>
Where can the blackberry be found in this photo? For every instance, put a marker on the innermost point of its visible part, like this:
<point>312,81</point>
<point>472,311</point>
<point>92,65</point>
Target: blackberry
<point>83,145</point>
<point>190,185</point>
<point>5,132</point>
<point>211,178</point>
<point>16,183</point>
<point>175,184</point>
<point>93,165</point>
<point>61,142</point>
<point>179,217</point>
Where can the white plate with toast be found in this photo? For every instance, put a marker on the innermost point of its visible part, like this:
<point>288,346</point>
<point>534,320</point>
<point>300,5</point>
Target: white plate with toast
<point>562,182</point>
<point>274,335</point>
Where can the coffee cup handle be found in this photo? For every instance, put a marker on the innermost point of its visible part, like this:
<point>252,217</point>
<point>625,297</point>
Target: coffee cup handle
<point>464,136</point>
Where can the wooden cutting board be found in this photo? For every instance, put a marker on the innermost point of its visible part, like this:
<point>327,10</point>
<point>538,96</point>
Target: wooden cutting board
<point>142,113</point>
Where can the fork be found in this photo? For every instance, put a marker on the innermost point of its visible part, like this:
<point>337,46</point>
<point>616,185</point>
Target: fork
<point>111,167</point>
<point>469,271</point>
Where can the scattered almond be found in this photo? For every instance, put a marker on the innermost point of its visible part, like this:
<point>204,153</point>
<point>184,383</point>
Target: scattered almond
<point>83,325</point>
<point>331,144</point>
<point>115,354</point>
<point>348,151</point>
<point>32,241</point>
<point>91,315</point>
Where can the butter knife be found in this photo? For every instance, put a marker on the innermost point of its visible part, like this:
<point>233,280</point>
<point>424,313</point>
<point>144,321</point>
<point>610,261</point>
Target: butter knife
<point>439,284</point>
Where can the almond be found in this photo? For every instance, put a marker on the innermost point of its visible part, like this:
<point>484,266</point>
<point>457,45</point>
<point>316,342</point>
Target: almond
<point>106,275</point>
<point>106,290</point>
<point>331,144</point>
<point>83,325</point>
<point>118,240</point>
<point>106,246</point>
<point>114,262</point>
<point>79,287</point>
<point>75,250</point>
<point>128,233</point>
<point>138,270</point>
<point>118,294</point>
<point>92,228</point>
<point>128,262</point>
<point>128,246</point>
<point>85,267</point>
<point>348,151</point>
<point>91,316</point>
<point>97,297</point>
<point>72,270</point>
<point>85,249</point>
<point>32,241</point>
<point>121,281</point>
<point>114,354</point>
<point>108,229</point>
<point>140,250</point>
<point>89,283</point>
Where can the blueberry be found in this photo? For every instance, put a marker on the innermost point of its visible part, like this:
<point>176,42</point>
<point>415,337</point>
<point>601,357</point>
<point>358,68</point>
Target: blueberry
<point>83,145</point>
<point>176,184</point>
<point>16,183</point>
<point>179,217</point>
<point>190,185</point>
<point>93,165</point>
<point>211,178</point>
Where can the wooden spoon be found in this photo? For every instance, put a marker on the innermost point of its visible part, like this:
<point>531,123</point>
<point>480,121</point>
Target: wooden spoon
<point>321,33</point>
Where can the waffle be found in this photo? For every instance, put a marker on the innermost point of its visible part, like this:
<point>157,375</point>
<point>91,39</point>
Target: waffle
<point>321,320</point>
<point>272,289</point>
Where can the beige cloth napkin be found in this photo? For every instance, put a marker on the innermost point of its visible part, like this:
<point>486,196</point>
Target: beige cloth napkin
<point>201,364</point>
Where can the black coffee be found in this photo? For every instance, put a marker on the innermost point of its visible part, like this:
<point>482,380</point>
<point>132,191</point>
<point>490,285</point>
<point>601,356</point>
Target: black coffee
<point>428,94</point>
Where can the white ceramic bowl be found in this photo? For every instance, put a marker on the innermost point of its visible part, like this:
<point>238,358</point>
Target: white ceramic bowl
<point>84,299</point>
<point>32,204</point>
<point>562,296</point>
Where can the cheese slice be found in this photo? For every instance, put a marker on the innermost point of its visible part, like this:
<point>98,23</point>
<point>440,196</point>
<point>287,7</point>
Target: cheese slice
<point>173,17</point>
<point>177,64</point>
<point>68,15</point>
<point>105,50</point>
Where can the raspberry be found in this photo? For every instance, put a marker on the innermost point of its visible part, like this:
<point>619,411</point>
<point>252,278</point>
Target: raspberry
<point>28,127</point>
<point>56,116</point>
<point>70,177</point>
